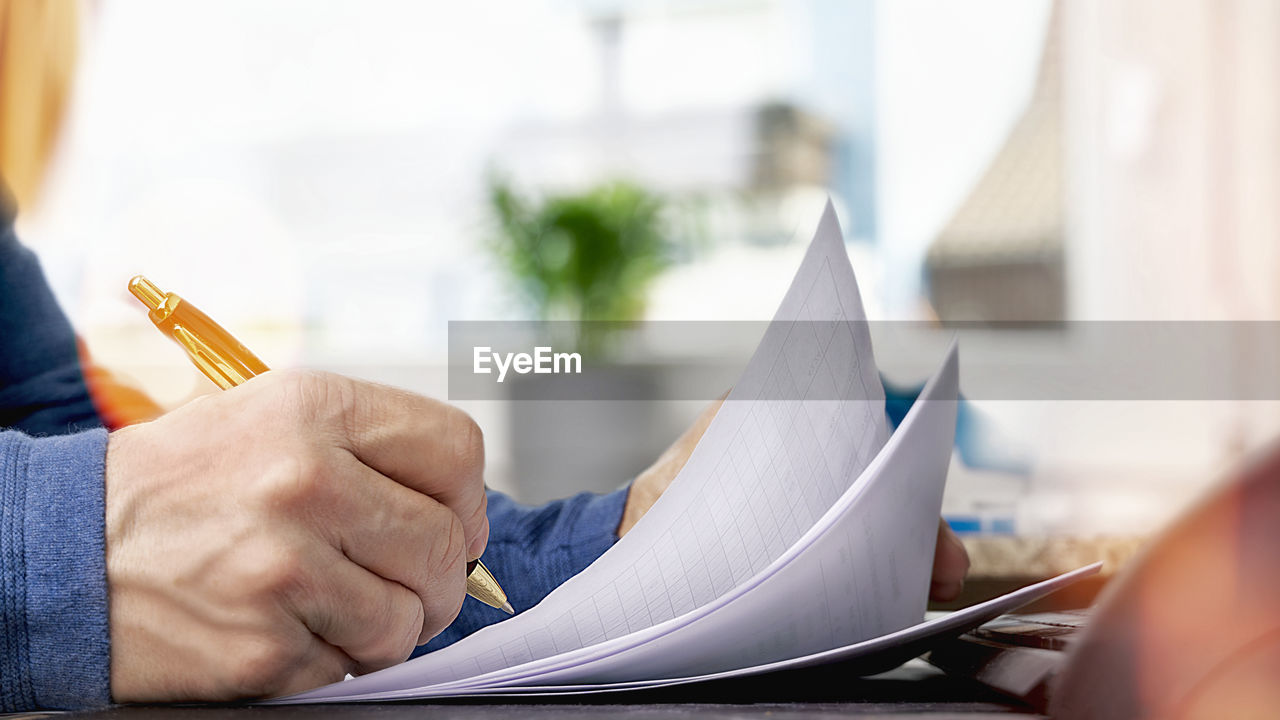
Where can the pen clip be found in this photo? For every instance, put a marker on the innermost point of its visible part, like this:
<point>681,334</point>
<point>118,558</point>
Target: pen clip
<point>221,373</point>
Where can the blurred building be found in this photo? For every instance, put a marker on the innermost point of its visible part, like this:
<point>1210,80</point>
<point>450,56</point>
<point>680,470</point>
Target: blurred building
<point>1173,159</point>
<point>1000,256</point>
<point>1139,184</point>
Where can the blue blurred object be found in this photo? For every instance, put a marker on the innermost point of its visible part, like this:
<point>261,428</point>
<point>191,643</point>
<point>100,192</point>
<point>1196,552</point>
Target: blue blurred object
<point>978,440</point>
<point>965,524</point>
<point>981,446</point>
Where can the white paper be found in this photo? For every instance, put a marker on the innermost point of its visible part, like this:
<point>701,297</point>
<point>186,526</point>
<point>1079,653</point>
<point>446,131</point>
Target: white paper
<point>873,656</point>
<point>764,472</point>
<point>794,531</point>
<point>861,571</point>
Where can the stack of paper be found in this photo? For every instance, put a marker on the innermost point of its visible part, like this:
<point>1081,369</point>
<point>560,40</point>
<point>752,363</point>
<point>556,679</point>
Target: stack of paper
<point>799,532</point>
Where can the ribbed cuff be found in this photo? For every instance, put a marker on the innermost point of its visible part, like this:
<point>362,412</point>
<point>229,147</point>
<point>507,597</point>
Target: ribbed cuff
<point>64,548</point>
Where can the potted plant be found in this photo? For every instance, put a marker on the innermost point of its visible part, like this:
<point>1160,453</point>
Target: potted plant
<point>587,259</point>
<point>583,257</point>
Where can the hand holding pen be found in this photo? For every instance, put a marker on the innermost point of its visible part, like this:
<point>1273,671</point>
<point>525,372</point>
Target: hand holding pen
<point>228,363</point>
<point>271,539</point>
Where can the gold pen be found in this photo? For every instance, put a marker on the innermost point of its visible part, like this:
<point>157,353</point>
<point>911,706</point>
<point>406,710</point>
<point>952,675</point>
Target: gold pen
<point>227,362</point>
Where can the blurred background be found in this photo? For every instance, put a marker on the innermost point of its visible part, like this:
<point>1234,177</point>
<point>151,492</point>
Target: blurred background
<point>337,181</point>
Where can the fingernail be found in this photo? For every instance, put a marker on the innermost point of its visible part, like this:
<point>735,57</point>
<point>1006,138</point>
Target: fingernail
<point>476,548</point>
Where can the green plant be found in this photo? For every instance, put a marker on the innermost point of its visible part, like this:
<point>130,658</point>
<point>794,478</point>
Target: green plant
<point>580,257</point>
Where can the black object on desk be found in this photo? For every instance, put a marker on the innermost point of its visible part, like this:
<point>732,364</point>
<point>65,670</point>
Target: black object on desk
<point>1015,654</point>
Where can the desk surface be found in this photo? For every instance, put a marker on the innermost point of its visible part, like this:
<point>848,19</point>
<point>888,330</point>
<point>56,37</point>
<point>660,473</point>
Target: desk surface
<point>913,690</point>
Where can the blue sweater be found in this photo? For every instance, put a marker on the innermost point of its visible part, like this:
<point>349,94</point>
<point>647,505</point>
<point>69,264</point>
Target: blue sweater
<point>55,647</point>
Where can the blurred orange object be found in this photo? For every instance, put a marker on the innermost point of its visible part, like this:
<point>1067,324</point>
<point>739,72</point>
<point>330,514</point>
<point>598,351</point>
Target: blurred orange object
<point>118,403</point>
<point>1191,629</point>
<point>38,40</point>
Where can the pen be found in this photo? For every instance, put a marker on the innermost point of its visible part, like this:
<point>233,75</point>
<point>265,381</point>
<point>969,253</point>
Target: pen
<point>228,363</point>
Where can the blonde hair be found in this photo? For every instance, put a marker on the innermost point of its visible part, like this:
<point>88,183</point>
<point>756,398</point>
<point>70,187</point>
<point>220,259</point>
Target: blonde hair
<point>38,40</point>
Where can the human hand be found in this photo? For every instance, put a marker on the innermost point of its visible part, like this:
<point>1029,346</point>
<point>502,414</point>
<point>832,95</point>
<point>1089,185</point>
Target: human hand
<point>274,537</point>
<point>950,559</point>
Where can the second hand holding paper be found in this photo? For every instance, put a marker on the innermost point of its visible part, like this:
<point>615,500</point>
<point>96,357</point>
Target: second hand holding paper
<point>792,529</point>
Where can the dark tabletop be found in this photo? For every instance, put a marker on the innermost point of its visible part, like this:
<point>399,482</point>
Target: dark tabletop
<point>914,690</point>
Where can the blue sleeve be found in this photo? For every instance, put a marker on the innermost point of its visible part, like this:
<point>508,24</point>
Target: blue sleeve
<point>53,581</point>
<point>42,390</point>
<point>54,644</point>
<point>532,550</point>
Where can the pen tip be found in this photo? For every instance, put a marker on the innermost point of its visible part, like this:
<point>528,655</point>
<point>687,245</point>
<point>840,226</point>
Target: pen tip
<point>510,610</point>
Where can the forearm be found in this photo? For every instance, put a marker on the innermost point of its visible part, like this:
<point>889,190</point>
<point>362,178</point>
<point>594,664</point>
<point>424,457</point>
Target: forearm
<point>53,585</point>
<point>532,550</point>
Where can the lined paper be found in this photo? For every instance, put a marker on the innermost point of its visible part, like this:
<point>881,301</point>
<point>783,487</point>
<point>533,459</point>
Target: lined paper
<point>797,526</point>
<point>763,473</point>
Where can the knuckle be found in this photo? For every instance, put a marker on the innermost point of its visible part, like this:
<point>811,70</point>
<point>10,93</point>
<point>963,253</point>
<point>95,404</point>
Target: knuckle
<point>298,388</point>
<point>263,667</point>
<point>294,480</point>
<point>311,396</point>
<point>479,518</point>
<point>447,549</point>
<point>415,517</point>
<point>446,584</point>
<point>467,444</point>
<point>403,623</point>
<point>277,570</point>
<point>445,605</point>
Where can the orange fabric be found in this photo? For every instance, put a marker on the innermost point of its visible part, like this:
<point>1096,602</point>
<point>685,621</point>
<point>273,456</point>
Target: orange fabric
<point>118,403</point>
